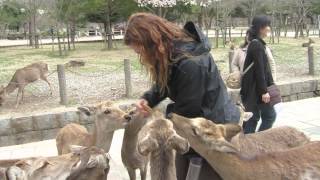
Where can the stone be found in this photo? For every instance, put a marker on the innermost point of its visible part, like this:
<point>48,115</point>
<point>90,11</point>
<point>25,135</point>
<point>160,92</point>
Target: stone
<point>22,124</point>
<point>286,99</point>
<point>293,97</point>
<point>28,137</point>
<point>5,128</point>
<point>49,134</point>
<point>45,121</point>
<point>305,95</point>
<point>285,89</point>
<point>7,140</point>
<point>71,117</point>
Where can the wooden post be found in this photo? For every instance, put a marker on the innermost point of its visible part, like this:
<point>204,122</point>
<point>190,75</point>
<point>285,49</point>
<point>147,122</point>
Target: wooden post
<point>62,84</point>
<point>311,60</point>
<point>231,54</point>
<point>127,77</point>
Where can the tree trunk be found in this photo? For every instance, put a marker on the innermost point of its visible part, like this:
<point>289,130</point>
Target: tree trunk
<point>73,33</point>
<point>59,42</point>
<point>104,35</point>
<point>319,24</point>
<point>64,43</point>
<point>109,33</point>
<point>217,37</point>
<point>30,33</point>
<point>68,36</point>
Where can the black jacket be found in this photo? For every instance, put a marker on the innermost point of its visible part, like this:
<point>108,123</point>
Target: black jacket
<point>255,82</point>
<point>195,84</point>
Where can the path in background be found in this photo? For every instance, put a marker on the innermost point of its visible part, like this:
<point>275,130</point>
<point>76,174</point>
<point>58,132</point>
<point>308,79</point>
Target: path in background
<point>211,34</point>
<point>302,115</point>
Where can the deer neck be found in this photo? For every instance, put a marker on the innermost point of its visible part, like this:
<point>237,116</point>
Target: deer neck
<point>10,87</point>
<point>228,166</point>
<point>101,138</point>
<point>131,131</point>
<point>162,165</point>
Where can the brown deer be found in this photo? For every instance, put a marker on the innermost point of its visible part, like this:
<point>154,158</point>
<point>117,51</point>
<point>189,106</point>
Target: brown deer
<point>212,141</point>
<point>307,44</point>
<point>158,140</point>
<point>130,156</point>
<point>108,117</point>
<point>22,77</point>
<point>82,164</point>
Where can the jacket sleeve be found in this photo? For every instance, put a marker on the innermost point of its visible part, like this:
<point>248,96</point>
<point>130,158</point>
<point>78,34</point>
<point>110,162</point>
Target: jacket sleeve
<point>235,62</point>
<point>272,63</point>
<point>154,96</point>
<point>257,57</point>
<point>190,86</point>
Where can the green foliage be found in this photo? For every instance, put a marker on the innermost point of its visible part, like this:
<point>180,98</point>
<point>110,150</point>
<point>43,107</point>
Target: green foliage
<point>11,14</point>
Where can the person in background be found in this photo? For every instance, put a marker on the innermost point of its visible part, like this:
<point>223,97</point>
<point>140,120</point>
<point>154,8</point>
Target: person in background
<point>181,68</point>
<point>240,56</point>
<point>254,93</point>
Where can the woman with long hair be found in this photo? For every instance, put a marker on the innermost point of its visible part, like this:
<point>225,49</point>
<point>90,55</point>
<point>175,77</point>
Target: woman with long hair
<point>181,67</point>
<point>258,78</point>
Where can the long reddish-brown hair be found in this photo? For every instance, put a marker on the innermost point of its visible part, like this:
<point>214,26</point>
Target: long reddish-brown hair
<point>154,36</point>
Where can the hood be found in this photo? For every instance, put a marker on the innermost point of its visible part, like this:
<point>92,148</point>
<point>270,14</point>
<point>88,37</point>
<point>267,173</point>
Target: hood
<point>199,46</point>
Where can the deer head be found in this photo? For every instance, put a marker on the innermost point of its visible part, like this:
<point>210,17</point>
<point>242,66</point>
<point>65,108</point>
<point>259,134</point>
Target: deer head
<point>93,164</point>
<point>108,116</point>
<point>158,134</point>
<point>205,133</point>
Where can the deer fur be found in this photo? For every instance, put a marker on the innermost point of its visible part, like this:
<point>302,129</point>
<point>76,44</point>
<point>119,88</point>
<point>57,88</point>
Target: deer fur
<point>22,77</point>
<point>210,140</point>
<point>158,140</point>
<point>130,156</point>
<point>108,117</point>
<point>82,164</point>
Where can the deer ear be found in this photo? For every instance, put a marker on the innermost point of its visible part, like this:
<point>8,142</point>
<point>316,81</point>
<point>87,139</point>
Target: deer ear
<point>147,145</point>
<point>224,146</point>
<point>231,130</point>
<point>87,110</point>
<point>247,116</point>
<point>178,143</point>
<point>76,149</point>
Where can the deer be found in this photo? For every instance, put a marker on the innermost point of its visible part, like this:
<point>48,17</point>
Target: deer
<point>108,117</point>
<point>212,141</point>
<point>158,140</point>
<point>308,44</point>
<point>21,78</point>
<point>81,164</point>
<point>130,156</point>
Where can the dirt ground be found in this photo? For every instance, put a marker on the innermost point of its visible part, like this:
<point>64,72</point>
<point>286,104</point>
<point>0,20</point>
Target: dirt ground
<point>102,78</point>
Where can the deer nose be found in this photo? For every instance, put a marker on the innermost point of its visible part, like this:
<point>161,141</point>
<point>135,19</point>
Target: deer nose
<point>127,117</point>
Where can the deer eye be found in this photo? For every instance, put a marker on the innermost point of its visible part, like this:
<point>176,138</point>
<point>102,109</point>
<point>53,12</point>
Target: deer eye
<point>107,111</point>
<point>131,113</point>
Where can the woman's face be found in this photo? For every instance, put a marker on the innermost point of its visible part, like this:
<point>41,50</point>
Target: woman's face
<point>264,31</point>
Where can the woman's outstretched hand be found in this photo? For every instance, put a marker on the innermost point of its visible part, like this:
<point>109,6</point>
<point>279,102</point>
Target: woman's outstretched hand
<point>142,106</point>
<point>266,98</point>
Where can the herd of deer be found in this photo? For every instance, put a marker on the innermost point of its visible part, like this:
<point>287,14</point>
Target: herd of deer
<point>275,154</point>
<point>278,153</point>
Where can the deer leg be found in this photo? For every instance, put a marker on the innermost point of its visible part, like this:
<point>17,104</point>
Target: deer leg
<point>46,80</point>
<point>143,173</point>
<point>132,173</point>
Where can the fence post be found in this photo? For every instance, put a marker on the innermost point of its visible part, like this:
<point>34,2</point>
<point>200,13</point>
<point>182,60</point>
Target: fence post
<point>231,54</point>
<point>62,84</point>
<point>311,60</point>
<point>127,77</point>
